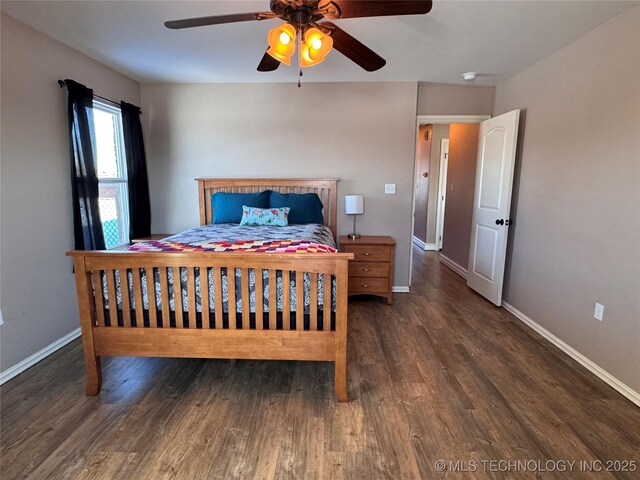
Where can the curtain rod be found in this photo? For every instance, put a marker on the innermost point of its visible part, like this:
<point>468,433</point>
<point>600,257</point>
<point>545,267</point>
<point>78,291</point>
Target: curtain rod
<point>62,85</point>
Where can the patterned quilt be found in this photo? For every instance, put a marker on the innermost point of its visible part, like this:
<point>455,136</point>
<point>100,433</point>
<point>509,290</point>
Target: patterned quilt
<point>310,238</point>
<point>239,246</point>
<point>231,232</point>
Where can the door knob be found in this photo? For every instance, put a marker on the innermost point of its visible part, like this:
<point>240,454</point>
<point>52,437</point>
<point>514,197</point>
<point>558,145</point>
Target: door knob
<point>500,222</point>
<point>508,222</point>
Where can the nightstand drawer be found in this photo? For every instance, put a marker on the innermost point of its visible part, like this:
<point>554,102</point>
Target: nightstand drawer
<point>368,253</point>
<point>368,269</point>
<point>368,285</point>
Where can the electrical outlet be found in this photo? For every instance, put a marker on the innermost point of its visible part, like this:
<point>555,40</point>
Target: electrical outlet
<point>598,312</point>
<point>389,188</point>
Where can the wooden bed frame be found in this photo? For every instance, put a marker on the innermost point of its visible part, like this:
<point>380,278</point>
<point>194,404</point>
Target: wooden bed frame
<point>113,332</point>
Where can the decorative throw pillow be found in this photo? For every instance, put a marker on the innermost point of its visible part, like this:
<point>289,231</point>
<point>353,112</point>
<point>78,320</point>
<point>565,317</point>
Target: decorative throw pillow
<point>227,207</point>
<point>274,217</point>
<point>305,207</point>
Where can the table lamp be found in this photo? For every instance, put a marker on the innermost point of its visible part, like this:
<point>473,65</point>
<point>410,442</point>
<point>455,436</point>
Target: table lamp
<point>354,205</point>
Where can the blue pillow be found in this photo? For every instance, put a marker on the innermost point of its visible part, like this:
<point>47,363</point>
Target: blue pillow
<point>227,207</point>
<point>305,207</point>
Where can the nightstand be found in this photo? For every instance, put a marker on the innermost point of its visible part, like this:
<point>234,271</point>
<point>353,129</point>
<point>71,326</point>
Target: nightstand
<point>371,270</point>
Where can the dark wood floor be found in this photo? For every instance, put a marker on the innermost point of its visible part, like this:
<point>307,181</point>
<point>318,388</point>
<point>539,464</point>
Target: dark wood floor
<point>440,375</point>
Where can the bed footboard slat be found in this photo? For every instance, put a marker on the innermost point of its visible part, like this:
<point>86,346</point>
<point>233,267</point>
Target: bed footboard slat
<point>96,276</point>
<point>259,289</point>
<point>217,297</point>
<point>177,295</point>
<point>126,302</point>
<point>113,304</point>
<point>273,299</point>
<point>164,298</point>
<point>244,292</point>
<point>191,300</point>
<point>286,300</point>
<point>299,300</point>
<point>313,301</point>
<point>204,296</point>
<point>151,295</point>
<point>231,297</point>
<point>137,297</point>
<point>326,307</point>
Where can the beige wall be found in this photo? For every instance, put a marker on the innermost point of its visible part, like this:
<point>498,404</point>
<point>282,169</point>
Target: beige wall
<point>363,133</point>
<point>440,132</point>
<point>423,164</point>
<point>444,99</point>
<point>461,178</point>
<point>576,239</point>
<point>35,188</point>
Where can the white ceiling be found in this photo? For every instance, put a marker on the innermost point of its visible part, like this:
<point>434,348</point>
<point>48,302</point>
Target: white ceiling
<point>495,38</point>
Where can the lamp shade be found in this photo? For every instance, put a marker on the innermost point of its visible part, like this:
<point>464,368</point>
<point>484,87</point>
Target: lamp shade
<point>354,204</point>
<point>316,46</point>
<point>282,43</point>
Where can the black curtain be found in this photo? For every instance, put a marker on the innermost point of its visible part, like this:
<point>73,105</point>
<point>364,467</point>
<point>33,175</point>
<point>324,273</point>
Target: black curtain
<point>137,181</point>
<point>87,227</point>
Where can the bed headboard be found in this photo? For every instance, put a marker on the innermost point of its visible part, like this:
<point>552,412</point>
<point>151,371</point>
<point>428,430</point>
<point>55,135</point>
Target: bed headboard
<point>326,188</point>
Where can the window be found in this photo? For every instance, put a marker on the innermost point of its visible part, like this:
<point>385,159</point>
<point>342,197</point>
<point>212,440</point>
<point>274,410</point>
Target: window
<point>112,174</point>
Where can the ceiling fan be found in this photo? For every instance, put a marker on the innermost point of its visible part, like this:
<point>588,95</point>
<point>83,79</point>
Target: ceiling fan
<point>314,39</point>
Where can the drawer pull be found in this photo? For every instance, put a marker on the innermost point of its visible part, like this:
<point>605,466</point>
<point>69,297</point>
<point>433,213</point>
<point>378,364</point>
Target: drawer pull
<point>366,254</point>
<point>365,285</point>
<point>365,269</point>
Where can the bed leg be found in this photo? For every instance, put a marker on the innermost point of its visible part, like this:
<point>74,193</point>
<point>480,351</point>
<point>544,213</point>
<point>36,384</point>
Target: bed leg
<point>86,310</point>
<point>341,380</point>
<point>94,376</point>
<point>342,276</point>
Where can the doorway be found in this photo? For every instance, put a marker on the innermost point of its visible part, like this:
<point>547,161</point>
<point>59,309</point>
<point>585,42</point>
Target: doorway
<point>428,202</point>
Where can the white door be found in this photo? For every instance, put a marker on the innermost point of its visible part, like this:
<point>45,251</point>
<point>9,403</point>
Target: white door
<point>491,204</point>
<point>442,191</point>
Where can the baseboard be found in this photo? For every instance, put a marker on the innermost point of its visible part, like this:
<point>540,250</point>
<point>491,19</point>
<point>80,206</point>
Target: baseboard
<point>419,243</point>
<point>460,270</point>
<point>17,369</point>
<point>400,289</point>
<point>425,246</point>
<point>599,372</point>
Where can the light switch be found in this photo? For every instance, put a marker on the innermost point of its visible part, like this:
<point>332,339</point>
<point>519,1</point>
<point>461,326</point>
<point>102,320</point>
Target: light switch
<point>389,188</point>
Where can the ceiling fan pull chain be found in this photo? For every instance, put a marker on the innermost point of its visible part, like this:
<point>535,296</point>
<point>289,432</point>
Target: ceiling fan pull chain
<point>299,40</point>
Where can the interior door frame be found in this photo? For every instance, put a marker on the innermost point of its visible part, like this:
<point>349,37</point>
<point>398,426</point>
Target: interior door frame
<point>433,120</point>
<point>442,192</point>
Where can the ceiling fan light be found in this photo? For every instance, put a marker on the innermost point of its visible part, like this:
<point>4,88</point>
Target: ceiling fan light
<point>318,44</point>
<point>286,59</point>
<point>281,44</point>
<point>305,59</point>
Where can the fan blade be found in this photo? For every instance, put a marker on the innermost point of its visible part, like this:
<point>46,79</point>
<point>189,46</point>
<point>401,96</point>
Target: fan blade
<point>354,50</point>
<point>381,8</point>
<point>268,63</point>
<point>216,20</point>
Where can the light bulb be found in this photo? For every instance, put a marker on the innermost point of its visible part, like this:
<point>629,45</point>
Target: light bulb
<point>316,43</point>
<point>285,38</point>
